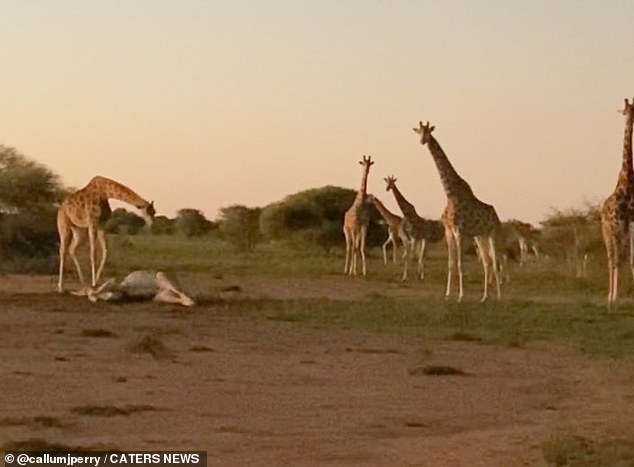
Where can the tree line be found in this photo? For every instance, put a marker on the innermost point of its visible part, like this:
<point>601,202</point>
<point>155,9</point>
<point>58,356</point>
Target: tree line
<point>30,194</point>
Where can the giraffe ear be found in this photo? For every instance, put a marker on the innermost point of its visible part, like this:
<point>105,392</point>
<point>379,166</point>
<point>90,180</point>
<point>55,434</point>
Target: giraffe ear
<point>416,130</point>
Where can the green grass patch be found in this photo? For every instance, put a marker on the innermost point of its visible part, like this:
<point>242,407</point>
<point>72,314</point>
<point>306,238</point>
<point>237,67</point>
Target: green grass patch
<point>542,301</point>
<point>510,323</point>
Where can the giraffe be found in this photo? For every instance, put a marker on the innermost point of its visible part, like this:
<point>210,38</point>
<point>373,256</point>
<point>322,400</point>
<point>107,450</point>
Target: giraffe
<point>355,223</point>
<point>80,213</point>
<point>618,210</point>
<point>395,228</point>
<point>525,235</point>
<point>464,216</point>
<point>139,285</point>
<point>418,229</point>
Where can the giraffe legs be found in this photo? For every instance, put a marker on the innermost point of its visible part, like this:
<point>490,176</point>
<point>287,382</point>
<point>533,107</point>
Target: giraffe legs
<point>92,234</point>
<point>390,239</point>
<point>523,250</point>
<point>494,263</point>
<point>101,237</point>
<point>408,245</point>
<point>421,260</point>
<point>394,236</point>
<point>488,257</point>
<point>451,252</point>
<point>483,250</point>
<point>458,246</point>
<point>355,251</point>
<point>347,269</point>
<point>613,245</point>
<point>64,233</point>
<point>168,293</point>
<point>364,231</point>
<point>76,241</point>
<point>631,238</point>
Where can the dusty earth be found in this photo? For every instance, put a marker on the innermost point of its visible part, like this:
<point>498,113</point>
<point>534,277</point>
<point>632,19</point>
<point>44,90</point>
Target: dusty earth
<point>253,391</point>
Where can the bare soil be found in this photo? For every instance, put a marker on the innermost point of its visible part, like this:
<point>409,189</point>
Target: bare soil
<point>143,376</point>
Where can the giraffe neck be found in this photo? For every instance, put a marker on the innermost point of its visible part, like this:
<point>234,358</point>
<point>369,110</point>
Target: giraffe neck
<point>110,189</point>
<point>362,193</point>
<point>407,208</point>
<point>385,212</point>
<point>453,184</point>
<point>626,176</point>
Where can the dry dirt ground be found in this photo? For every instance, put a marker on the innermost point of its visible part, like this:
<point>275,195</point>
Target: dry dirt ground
<point>251,391</point>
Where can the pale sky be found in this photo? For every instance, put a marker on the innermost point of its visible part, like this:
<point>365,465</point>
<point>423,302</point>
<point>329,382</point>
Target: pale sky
<point>203,104</point>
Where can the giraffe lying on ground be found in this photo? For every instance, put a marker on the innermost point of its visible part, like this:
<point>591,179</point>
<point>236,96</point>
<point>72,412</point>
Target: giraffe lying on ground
<point>80,213</point>
<point>138,285</point>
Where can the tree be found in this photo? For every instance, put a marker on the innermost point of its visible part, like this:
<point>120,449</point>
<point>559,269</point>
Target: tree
<point>240,225</point>
<point>29,196</point>
<point>162,225</point>
<point>24,182</point>
<point>573,234</point>
<point>316,216</point>
<point>192,223</point>
<point>121,221</point>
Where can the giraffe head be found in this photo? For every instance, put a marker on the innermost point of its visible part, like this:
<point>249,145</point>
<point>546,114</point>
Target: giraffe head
<point>148,212</point>
<point>424,131</point>
<point>628,110</point>
<point>390,183</point>
<point>366,162</point>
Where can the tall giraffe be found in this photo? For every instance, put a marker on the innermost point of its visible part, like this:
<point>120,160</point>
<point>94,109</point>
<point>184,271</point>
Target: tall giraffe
<point>418,229</point>
<point>618,209</point>
<point>464,216</point>
<point>355,223</point>
<point>395,228</point>
<point>80,213</point>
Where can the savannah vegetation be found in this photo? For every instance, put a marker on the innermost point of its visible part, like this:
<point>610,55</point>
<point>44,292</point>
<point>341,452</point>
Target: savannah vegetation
<point>300,237</point>
<point>554,298</point>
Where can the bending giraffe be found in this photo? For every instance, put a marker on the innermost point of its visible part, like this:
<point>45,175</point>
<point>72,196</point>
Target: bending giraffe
<point>355,224</point>
<point>418,229</point>
<point>618,210</point>
<point>395,229</point>
<point>464,216</point>
<point>79,215</point>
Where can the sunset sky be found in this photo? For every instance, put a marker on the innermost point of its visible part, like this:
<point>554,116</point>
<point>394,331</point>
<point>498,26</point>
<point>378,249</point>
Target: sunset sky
<point>203,104</point>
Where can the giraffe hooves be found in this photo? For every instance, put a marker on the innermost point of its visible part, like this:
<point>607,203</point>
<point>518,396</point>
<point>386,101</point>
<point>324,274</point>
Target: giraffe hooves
<point>484,299</point>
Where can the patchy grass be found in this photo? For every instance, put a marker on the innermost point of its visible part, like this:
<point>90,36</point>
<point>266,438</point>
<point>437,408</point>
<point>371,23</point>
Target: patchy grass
<point>510,323</point>
<point>97,333</point>
<point>39,421</point>
<point>543,300</point>
<point>436,370</point>
<point>148,344</point>
<point>463,336</point>
<point>577,451</point>
<point>111,410</point>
